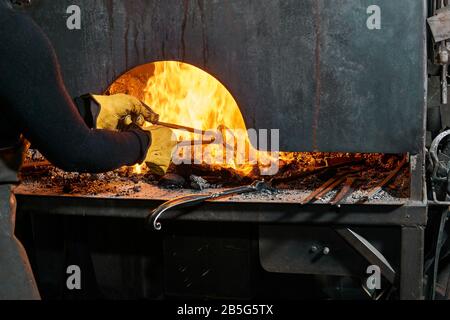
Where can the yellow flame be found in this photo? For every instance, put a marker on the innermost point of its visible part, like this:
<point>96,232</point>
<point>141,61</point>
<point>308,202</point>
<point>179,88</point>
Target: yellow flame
<point>138,168</point>
<point>186,95</point>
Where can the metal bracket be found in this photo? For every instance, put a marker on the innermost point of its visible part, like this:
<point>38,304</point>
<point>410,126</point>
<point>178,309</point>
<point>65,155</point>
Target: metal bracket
<point>440,24</point>
<point>432,265</point>
<point>440,28</point>
<point>368,252</point>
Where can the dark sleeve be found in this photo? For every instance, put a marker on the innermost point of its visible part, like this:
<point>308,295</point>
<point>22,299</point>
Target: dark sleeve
<point>33,87</point>
<point>88,110</point>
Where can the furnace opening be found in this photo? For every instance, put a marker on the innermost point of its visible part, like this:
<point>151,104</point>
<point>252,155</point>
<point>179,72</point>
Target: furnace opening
<point>186,95</point>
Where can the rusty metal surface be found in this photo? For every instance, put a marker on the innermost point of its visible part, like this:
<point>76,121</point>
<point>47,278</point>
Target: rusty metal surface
<point>128,190</point>
<point>411,214</point>
<point>299,249</point>
<point>344,87</point>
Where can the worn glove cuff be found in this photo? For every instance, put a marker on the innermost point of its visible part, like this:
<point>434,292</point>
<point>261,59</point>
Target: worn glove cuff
<point>144,139</point>
<point>88,109</point>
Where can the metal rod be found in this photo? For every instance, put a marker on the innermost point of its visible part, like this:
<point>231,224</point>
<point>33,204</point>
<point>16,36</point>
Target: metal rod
<point>346,190</point>
<point>444,83</point>
<point>193,143</point>
<point>383,183</point>
<point>331,187</point>
<point>36,164</point>
<point>172,125</point>
<point>325,188</point>
<point>180,127</point>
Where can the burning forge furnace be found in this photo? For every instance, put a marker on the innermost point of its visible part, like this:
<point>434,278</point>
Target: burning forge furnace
<point>347,98</point>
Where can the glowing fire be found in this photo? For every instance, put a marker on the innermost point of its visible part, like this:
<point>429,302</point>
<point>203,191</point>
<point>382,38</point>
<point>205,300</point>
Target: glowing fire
<point>186,95</point>
<point>138,169</point>
<point>183,94</point>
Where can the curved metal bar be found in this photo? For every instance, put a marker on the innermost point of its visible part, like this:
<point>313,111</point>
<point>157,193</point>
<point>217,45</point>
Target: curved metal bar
<point>195,199</point>
<point>434,157</point>
<point>434,149</point>
<point>155,215</point>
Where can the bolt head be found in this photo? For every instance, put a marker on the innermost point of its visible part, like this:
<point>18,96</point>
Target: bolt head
<point>314,249</point>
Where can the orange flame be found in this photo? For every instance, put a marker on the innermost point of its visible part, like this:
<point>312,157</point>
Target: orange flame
<point>138,168</point>
<point>186,95</point>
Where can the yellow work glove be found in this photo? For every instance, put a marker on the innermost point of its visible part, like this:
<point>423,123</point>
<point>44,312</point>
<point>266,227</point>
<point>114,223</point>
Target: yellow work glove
<point>120,110</point>
<point>159,155</point>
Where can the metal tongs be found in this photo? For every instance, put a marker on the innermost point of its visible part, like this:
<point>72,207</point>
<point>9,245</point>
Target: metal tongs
<point>212,135</point>
<point>184,128</point>
<point>196,199</point>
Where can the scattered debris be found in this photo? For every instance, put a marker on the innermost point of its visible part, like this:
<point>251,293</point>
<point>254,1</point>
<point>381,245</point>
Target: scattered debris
<point>320,176</point>
<point>379,187</point>
<point>198,183</point>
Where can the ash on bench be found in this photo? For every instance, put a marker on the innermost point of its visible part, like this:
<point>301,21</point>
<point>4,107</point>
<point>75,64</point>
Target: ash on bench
<point>295,181</point>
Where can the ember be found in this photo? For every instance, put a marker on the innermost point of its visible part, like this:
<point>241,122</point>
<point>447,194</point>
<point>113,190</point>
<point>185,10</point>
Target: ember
<point>307,178</point>
<point>183,94</point>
